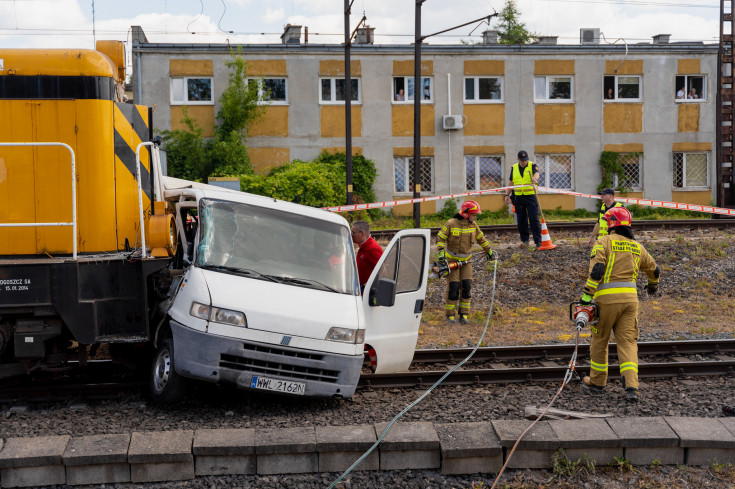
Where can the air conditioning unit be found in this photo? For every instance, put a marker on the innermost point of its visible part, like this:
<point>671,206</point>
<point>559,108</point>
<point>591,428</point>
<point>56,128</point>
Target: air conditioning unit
<point>450,122</point>
<point>589,36</point>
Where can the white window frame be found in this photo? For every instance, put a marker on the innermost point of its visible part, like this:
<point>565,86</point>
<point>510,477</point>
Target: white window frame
<point>548,79</point>
<point>478,187</point>
<point>262,90</point>
<point>476,100</point>
<point>333,90</point>
<point>615,89</point>
<point>684,185</point>
<point>542,162</point>
<point>687,86</point>
<point>405,162</point>
<point>185,80</point>
<point>406,100</point>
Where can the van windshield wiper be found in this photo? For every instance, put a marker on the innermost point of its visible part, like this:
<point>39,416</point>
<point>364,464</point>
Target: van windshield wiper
<point>307,282</point>
<point>242,271</point>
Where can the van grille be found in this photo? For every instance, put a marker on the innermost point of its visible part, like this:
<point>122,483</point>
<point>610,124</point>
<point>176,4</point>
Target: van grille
<point>278,364</point>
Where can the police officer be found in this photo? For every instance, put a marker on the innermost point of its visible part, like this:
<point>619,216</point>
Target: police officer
<point>455,241</point>
<point>614,264</point>
<point>526,204</point>
<point>607,197</point>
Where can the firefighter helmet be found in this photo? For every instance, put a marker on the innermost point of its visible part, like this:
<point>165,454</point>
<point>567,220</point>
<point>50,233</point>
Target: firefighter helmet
<point>618,216</point>
<point>469,207</point>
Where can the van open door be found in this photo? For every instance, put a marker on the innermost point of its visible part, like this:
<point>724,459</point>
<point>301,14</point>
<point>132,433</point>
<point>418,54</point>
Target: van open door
<point>394,300</point>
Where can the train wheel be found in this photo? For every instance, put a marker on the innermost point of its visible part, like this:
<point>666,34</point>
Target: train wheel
<point>166,385</point>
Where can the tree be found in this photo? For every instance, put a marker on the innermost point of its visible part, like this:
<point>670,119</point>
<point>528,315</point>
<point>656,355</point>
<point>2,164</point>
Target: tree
<point>193,157</point>
<point>510,29</point>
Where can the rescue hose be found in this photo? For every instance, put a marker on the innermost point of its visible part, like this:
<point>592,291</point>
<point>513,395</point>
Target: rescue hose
<point>421,398</point>
<point>567,377</point>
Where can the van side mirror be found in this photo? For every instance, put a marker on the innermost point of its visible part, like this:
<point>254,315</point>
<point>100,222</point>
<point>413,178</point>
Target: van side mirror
<point>384,294</point>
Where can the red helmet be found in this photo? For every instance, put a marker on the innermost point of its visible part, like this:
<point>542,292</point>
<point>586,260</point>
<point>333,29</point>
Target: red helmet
<point>618,216</point>
<point>469,207</point>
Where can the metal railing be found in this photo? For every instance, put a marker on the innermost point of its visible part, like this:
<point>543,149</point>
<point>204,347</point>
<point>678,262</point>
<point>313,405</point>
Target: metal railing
<point>73,222</point>
<point>156,176</point>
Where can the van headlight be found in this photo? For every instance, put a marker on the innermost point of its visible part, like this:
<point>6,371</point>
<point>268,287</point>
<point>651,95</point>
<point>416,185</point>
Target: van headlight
<point>218,315</point>
<point>346,335</point>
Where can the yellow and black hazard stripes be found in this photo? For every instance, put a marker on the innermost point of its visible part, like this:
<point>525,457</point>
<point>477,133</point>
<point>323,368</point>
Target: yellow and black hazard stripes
<point>131,130</point>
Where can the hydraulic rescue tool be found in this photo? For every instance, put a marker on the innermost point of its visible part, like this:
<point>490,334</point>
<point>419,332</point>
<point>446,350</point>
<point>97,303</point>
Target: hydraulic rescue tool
<point>442,267</point>
<point>583,314</point>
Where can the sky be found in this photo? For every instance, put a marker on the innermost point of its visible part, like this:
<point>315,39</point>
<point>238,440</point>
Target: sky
<point>78,23</point>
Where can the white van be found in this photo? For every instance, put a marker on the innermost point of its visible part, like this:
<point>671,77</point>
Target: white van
<point>267,298</point>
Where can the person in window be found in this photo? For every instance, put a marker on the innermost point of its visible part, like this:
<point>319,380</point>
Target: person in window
<point>610,95</point>
<point>681,93</point>
<point>369,251</point>
<point>693,94</point>
<point>427,90</point>
<point>400,97</point>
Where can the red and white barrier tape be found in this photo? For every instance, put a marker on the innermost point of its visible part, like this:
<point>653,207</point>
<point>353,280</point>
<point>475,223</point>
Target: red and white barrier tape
<point>628,200</point>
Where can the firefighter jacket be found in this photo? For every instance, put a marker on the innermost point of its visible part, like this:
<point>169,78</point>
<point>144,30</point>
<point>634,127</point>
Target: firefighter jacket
<point>614,264</point>
<point>522,177</point>
<point>457,236</point>
<point>601,218</point>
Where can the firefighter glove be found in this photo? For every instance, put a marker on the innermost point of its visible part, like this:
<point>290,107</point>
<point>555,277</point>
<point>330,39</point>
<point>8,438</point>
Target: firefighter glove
<point>652,289</point>
<point>586,300</point>
<point>490,254</point>
<point>442,258</point>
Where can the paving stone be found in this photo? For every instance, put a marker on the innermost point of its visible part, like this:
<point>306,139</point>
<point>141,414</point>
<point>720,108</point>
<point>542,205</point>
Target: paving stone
<point>658,455</point>
<point>41,475</point>
<point>161,471</point>
<point>701,432</point>
<point>469,448</point>
<point>286,450</point>
<point>161,446</point>
<point>224,451</point>
<point>536,448</point>
<point>111,473</point>
<point>97,449</point>
<point>33,452</point>
<point>224,464</point>
<point>643,432</point>
<point>341,446</point>
<point>409,446</point>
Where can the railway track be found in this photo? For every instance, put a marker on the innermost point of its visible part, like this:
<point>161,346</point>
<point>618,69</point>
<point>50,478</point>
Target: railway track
<point>586,226</point>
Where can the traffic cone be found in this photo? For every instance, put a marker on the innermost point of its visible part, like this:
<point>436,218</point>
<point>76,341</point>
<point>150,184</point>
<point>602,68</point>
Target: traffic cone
<point>546,243</point>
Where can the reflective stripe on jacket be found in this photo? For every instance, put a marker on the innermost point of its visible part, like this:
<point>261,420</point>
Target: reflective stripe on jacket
<point>523,179</point>
<point>458,236</point>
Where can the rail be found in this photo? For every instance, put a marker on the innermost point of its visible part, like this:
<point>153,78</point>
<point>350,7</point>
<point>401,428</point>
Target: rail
<point>73,222</point>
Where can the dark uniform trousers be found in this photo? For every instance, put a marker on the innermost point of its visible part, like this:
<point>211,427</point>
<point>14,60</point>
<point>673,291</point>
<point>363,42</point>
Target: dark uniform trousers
<point>527,213</point>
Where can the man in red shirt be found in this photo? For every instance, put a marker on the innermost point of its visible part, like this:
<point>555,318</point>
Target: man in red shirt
<point>369,252</point>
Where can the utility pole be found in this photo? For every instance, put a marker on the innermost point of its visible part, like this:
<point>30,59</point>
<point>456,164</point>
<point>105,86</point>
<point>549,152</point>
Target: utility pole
<point>348,104</point>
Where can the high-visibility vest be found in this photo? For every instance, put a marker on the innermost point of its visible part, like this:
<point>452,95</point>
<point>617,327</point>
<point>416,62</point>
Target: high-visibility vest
<point>523,179</point>
<point>601,219</point>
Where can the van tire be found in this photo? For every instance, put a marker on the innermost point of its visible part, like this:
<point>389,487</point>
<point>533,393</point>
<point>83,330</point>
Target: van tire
<point>166,385</point>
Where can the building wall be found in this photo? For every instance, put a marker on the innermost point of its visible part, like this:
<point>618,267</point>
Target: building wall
<point>583,127</point>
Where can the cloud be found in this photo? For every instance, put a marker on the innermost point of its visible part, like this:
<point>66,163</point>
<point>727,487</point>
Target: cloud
<point>273,15</point>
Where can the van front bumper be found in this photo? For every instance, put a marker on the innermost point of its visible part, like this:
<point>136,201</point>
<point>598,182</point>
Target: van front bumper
<point>218,359</point>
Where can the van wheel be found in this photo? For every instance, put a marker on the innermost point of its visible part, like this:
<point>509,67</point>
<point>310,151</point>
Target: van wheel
<point>166,385</point>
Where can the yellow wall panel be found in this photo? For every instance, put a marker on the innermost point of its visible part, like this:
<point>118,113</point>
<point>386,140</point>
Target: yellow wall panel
<point>688,120</point>
<point>190,67</point>
<point>625,148</point>
<point>490,202</point>
<point>333,121</point>
<point>265,67</point>
<point>703,197</point>
<point>484,119</point>
<point>692,147</point>
<point>407,209</point>
<point>406,67</point>
<point>402,120</point>
<point>335,67</point>
<point>629,67</point>
<point>553,148</point>
<point>554,201</point>
<point>631,195</point>
<point>555,119</point>
<point>554,67</point>
<point>263,159</point>
<point>484,150</point>
<point>484,67</point>
<point>623,118</point>
<point>274,122</point>
<point>342,149</point>
<point>688,67</point>
<point>203,114</point>
<point>408,151</point>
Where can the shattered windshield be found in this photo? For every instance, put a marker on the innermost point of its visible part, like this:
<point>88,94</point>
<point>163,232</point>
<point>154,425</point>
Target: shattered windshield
<point>275,246</point>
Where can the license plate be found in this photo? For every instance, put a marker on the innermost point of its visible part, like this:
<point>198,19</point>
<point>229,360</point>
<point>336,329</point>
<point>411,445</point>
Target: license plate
<point>264,383</point>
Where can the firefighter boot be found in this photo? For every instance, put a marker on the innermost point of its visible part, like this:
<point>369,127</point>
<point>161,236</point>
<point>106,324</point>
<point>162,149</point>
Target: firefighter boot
<point>451,319</point>
<point>632,394</point>
<point>463,319</point>
<point>591,388</point>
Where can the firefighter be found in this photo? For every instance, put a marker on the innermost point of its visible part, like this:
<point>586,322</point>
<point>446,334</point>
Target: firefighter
<point>455,241</point>
<point>607,197</point>
<point>614,264</point>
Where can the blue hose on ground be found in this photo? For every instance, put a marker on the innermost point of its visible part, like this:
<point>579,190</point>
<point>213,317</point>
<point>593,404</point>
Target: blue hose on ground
<point>408,408</point>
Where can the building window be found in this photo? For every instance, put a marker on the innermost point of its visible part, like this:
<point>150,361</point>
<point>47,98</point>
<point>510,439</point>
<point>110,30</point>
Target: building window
<point>555,171</point>
<point>631,178</point>
<point>553,88</point>
<point>483,89</point>
<point>403,89</point>
<point>483,172</point>
<point>332,90</point>
<point>691,170</point>
<point>403,173</point>
<point>691,88</point>
<point>271,90</point>
<point>621,87</point>
<point>191,91</point>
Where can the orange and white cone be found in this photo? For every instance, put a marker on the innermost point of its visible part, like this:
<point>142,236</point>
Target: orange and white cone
<point>546,243</point>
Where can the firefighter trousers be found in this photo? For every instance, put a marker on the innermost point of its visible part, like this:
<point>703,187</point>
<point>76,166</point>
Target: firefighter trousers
<point>459,284</point>
<point>620,319</point>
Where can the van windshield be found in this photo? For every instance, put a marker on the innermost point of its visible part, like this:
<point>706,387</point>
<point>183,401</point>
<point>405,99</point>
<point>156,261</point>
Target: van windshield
<point>277,246</point>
